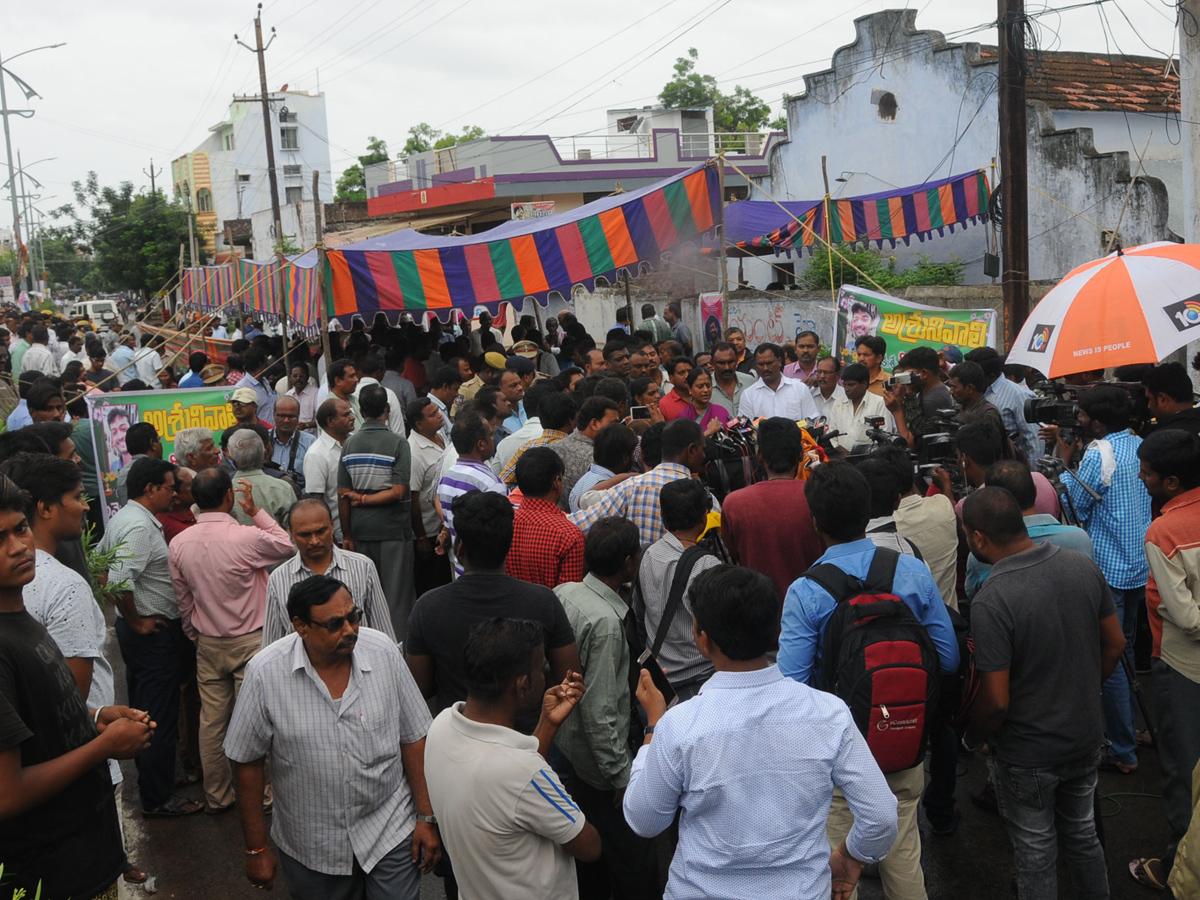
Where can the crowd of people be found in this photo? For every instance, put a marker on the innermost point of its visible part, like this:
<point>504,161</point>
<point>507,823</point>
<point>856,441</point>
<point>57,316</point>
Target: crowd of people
<point>468,604</point>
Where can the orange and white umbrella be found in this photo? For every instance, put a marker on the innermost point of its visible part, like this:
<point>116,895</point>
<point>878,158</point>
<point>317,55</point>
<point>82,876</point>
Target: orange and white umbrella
<point>1132,306</point>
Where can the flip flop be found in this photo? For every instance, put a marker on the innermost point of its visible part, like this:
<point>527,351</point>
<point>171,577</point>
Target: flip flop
<point>1108,764</point>
<point>175,807</point>
<point>1144,739</point>
<point>1148,872</point>
<point>136,876</point>
<point>186,778</point>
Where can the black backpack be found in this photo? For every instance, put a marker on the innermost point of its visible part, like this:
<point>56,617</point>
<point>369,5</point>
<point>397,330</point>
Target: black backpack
<point>880,660</point>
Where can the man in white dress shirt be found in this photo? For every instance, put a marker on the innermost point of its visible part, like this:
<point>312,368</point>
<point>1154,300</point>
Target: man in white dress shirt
<point>850,413</point>
<point>827,392</point>
<point>772,394</point>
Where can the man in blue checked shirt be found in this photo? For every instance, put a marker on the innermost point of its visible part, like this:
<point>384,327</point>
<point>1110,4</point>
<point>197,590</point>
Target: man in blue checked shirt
<point>755,808</point>
<point>1114,509</point>
<point>840,500</point>
<point>508,824</point>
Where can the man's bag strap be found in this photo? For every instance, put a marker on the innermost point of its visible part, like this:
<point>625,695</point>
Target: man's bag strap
<point>683,571</point>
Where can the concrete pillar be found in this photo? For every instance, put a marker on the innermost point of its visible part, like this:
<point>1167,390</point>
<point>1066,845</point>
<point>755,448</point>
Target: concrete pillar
<point>1189,100</point>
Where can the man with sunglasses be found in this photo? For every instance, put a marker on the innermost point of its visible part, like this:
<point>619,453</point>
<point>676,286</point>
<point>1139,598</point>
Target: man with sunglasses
<point>219,571</point>
<point>336,707</point>
<point>149,630</point>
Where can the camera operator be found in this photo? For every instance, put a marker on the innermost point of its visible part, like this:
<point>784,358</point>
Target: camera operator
<point>1114,509</point>
<point>915,406</point>
<point>967,384</point>
<point>1169,398</point>
<point>979,447</point>
<point>850,413</point>
<point>1008,397</point>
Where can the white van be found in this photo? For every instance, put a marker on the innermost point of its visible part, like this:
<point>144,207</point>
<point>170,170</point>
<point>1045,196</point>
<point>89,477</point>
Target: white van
<point>101,313</point>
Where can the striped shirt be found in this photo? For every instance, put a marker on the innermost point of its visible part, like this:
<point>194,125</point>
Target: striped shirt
<point>374,459</point>
<point>143,560</point>
<point>354,570</point>
<point>637,500</point>
<point>341,793</point>
<point>465,476</point>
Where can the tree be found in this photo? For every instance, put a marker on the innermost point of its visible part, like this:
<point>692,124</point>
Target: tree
<point>737,112</point>
<point>66,257</point>
<point>134,238</point>
<point>424,137</point>
<point>867,268</point>
<point>352,186</point>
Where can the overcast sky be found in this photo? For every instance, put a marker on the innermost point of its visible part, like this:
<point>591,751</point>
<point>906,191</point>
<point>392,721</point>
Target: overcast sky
<point>146,79</point>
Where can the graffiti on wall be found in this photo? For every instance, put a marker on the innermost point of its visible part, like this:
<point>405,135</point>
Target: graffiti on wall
<point>763,321</point>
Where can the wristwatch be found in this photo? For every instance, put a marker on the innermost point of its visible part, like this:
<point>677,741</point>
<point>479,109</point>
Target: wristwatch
<point>428,820</point>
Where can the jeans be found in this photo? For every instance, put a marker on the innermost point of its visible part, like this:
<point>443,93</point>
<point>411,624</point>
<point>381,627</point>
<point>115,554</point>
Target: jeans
<point>153,665</point>
<point>1120,706</point>
<point>1177,702</point>
<point>1042,808</point>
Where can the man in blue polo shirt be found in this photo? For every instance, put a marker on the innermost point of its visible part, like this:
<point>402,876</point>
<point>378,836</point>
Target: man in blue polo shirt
<point>840,500</point>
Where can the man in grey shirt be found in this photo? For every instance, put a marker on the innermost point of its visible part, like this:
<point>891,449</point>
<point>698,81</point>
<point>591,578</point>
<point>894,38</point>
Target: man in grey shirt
<point>1041,664</point>
<point>684,505</point>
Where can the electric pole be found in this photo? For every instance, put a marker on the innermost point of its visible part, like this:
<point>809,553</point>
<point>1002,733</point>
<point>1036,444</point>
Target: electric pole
<point>152,174</point>
<point>272,176</point>
<point>1189,109</point>
<point>1013,178</point>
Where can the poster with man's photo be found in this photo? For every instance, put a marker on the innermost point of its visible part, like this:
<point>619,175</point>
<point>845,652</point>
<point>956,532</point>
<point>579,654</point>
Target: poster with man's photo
<point>904,325</point>
<point>169,412</point>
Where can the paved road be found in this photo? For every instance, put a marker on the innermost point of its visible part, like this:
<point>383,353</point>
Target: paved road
<point>200,856</point>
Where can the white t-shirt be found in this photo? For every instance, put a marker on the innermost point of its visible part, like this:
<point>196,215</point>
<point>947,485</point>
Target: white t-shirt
<point>501,811</point>
<point>62,601</point>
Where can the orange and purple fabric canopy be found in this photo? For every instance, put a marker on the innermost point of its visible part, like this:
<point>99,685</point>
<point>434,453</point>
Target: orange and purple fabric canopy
<point>409,271</point>
<point>759,227</point>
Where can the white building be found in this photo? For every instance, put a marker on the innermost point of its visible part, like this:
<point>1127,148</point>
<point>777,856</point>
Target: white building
<point>901,106</point>
<point>227,175</point>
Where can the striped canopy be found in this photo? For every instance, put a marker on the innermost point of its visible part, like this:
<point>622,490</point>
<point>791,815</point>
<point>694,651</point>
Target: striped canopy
<point>896,215</point>
<point>409,271</point>
<point>253,286</point>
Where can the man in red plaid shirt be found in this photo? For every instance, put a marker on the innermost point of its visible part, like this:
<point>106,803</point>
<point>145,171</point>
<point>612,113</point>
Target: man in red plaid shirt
<point>547,549</point>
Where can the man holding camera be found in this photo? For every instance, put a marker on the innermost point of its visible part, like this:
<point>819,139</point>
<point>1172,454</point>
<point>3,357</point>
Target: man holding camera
<point>916,397</point>
<point>1114,509</point>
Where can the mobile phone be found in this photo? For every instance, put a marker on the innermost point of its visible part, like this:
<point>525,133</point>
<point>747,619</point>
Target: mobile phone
<point>659,677</point>
<point>640,412</point>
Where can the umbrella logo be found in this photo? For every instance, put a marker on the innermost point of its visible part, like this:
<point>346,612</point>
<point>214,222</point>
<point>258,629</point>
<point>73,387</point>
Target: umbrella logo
<point>1041,338</point>
<point>1185,314</point>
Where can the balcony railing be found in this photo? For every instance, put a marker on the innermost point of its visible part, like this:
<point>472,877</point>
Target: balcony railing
<point>641,146</point>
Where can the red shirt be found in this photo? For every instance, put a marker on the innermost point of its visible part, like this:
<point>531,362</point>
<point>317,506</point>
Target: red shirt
<point>176,522</point>
<point>768,527</point>
<point>671,404</point>
<point>546,549</point>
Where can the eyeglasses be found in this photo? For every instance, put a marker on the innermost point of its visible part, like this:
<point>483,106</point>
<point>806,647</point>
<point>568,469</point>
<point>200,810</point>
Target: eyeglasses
<point>334,625</point>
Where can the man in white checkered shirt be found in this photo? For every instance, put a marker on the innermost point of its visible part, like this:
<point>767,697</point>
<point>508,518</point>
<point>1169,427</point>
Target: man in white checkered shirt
<point>338,711</point>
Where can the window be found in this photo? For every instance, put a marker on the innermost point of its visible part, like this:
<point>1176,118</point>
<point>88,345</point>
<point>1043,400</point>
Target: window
<point>888,106</point>
<point>204,200</point>
<point>294,195</point>
<point>293,171</point>
<point>227,140</point>
<point>289,138</point>
<point>286,115</point>
<point>243,178</point>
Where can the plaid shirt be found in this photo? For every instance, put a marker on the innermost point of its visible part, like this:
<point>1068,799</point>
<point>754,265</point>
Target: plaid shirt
<point>1009,397</point>
<point>546,549</point>
<point>637,500</point>
<point>1117,522</point>
<point>509,473</point>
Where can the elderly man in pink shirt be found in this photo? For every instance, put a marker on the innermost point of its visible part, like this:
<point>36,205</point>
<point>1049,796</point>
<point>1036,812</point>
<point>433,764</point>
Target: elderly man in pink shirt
<point>219,570</point>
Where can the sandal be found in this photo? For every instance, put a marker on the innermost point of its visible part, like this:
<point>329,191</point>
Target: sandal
<point>175,807</point>
<point>1108,764</point>
<point>1148,872</point>
<point>135,876</point>
<point>1144,738</point>
<point>184,779</point>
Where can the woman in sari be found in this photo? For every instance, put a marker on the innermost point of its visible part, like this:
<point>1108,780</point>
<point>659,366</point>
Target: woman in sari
<point>709,416</point>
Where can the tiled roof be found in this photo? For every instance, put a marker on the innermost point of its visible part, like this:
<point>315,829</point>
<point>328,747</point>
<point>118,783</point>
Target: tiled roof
<point>1096,81</point>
